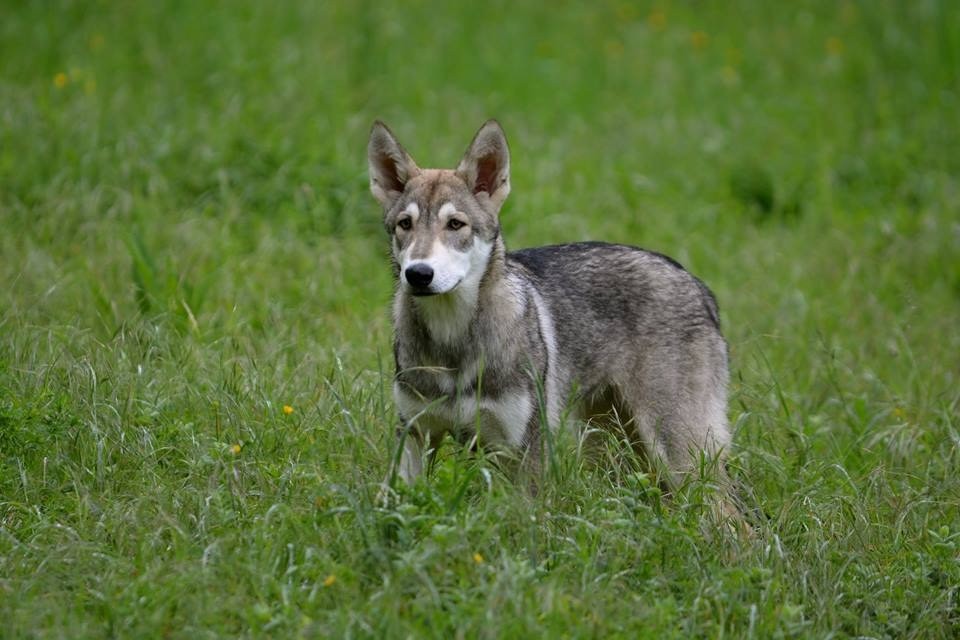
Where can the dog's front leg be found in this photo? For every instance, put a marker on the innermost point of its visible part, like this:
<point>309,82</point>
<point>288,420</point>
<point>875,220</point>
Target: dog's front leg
<point>407,460</point>
<point>409,465</point>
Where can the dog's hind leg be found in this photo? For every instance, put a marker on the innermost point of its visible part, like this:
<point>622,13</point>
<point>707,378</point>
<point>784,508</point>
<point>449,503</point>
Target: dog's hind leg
<point>681,423</point>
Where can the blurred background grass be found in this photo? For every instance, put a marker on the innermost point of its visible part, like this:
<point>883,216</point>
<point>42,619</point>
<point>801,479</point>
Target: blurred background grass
<point>193,123</point>
<point>188,243</point>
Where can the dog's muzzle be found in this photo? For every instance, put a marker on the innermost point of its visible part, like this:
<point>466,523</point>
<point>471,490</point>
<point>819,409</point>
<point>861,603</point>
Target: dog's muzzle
<point>419,276</point>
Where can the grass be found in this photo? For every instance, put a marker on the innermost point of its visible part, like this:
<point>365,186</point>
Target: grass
<point>188,246</point>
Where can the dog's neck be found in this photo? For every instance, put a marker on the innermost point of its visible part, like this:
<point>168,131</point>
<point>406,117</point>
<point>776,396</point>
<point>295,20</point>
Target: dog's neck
<point>448,319</point>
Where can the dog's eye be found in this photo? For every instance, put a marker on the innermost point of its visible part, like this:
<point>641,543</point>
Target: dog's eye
<point>455,224</point>
<point>405,224</point>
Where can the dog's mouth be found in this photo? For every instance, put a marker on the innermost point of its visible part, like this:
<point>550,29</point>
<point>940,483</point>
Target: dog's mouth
<point>427,292</point>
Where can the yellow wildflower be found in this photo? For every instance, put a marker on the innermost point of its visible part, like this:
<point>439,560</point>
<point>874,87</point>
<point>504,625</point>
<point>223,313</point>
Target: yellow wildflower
<point>626,12</point>
<point>329,580</point>
<point>235,449</point>
<point>699,40</point>
<point>613,48</point>
<point>60,80</point>
<point>730,76</point>
<point>477,558</point>
<point>287,409</point>
<point>834,46</point>
<point>657,19</point>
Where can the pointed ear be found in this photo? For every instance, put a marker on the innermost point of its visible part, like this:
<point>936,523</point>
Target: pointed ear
<point>485,166</point>
<point>390,165</point>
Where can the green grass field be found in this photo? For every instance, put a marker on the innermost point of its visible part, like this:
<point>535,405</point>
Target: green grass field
<point>195,343</point>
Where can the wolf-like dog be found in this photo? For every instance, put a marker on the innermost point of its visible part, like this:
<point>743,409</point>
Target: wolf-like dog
<point>499,345</point>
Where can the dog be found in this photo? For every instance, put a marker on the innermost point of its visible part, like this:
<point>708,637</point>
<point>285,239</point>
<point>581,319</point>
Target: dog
<point>496,347</point>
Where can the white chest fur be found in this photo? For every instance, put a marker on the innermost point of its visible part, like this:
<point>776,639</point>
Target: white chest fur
<point>500,421</point>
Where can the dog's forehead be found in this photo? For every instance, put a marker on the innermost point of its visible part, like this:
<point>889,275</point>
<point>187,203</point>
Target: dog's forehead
<point>434,188</point>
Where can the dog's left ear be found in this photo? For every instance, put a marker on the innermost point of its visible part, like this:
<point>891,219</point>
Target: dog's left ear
<point>485,166</point>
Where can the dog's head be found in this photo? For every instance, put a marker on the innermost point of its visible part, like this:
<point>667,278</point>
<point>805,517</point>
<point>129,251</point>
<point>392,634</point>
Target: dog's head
<point>443,223</point>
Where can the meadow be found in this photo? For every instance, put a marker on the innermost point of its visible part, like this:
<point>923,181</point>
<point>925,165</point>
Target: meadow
<point>195,341</point>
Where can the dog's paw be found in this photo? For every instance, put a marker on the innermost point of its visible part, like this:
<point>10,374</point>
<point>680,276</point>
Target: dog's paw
<point>386,496</point>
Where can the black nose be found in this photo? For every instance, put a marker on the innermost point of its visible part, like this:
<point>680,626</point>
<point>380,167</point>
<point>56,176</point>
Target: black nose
<point>419,275</point>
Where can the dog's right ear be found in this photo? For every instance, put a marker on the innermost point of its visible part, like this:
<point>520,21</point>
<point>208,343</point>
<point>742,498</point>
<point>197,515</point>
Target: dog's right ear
<point>390,165</point>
